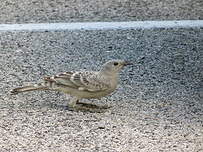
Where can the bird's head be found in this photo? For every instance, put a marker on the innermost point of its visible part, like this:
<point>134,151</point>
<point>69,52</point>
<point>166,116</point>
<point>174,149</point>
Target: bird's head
<point>114,66</point>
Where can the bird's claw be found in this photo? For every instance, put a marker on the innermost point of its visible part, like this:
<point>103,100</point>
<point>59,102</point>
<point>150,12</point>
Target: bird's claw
<point>87,107</point>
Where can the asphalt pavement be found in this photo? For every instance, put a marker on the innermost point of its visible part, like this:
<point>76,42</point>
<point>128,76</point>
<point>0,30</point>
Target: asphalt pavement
<point>156,107</point>
<point>49,11</point>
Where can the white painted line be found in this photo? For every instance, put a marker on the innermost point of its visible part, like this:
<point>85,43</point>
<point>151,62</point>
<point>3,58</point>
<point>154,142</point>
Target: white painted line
<point>102,25</point>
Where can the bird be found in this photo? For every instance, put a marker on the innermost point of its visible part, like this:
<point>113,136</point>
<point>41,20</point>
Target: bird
<point>81,84</point>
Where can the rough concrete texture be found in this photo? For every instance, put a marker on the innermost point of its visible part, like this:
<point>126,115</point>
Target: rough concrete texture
<point>158,105</point>
<point>27,11</point>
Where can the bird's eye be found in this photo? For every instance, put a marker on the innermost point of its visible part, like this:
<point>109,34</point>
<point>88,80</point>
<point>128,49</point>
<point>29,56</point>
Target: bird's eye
<point>115,63</point>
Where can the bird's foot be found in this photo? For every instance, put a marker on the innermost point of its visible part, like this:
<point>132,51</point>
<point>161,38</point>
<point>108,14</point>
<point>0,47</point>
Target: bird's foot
<point>87,107</point>
<point>93,106</point>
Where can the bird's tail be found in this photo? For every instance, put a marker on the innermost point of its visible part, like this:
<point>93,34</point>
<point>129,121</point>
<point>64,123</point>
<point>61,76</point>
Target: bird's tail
<point>28,88</point>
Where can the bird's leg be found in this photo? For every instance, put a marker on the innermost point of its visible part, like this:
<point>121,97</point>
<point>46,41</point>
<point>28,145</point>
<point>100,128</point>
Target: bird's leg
<point>75,105</point>
<point>72,103</point>
<point>91,106</point>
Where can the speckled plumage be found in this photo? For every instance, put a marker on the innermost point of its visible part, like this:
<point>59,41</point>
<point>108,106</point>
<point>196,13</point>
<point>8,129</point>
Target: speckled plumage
<point>83,84</point>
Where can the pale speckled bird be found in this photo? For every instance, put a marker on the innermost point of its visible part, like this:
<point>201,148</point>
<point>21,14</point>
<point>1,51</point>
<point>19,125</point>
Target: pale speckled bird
<point>84,84</point>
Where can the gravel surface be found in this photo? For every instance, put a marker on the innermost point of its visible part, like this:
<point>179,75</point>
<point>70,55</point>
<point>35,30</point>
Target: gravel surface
<point>38,11</point>
<point>158,105</point>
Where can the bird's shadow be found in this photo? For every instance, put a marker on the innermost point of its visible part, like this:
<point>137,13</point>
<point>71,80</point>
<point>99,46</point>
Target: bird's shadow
<point>83,107</point>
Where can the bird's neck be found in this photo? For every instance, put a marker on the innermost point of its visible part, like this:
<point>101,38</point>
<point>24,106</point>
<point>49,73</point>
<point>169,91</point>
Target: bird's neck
<point>109,74</point>
<point>111,77</point>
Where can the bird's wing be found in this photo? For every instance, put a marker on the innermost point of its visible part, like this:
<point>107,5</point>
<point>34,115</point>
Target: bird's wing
<point>89,81</point>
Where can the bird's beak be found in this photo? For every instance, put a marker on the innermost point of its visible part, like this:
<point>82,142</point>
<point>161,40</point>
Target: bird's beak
<point>127,63</point>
